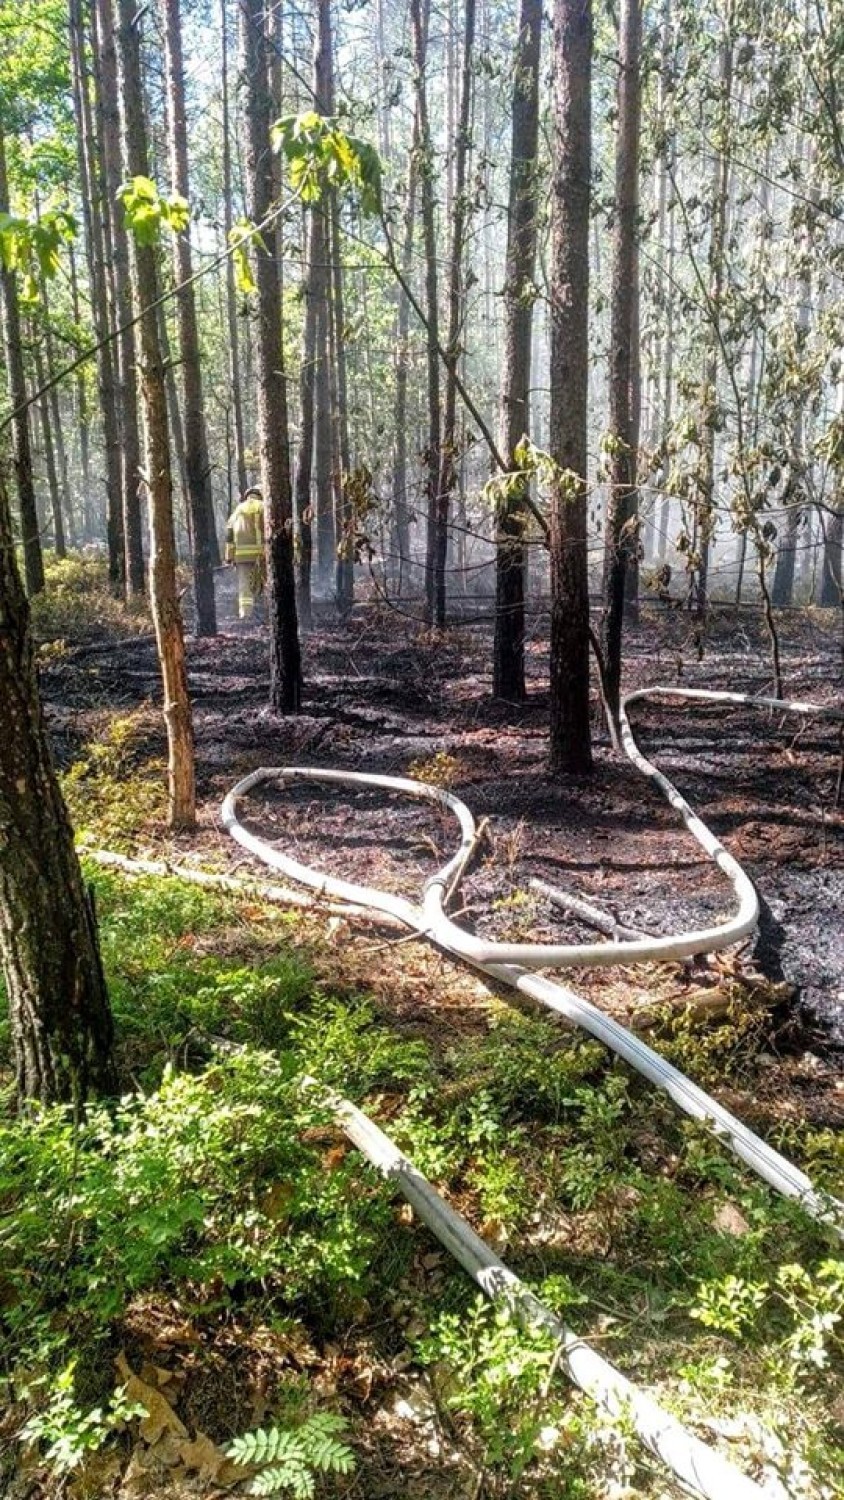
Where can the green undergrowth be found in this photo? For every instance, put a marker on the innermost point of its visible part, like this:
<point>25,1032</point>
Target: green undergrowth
<point>116,791</point>
<point>77,605</point>
<point>217,1186</point>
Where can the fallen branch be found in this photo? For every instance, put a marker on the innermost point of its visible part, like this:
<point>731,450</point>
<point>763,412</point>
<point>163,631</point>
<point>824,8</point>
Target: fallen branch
<point>275,895</point>
<point>709,1004</point>
<point>602,921</point>
<point>466,859</point>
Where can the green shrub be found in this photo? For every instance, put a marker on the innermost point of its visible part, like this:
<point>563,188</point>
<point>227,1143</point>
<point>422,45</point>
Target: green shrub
<point>205,1186</point>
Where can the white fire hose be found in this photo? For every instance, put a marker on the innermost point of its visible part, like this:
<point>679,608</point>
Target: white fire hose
<point>697,1466</point>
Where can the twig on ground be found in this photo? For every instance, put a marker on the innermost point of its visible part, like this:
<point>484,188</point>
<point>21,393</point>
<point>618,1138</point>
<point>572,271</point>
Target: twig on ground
<point>602,921</point>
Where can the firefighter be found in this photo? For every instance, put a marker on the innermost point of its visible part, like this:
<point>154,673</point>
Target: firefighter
<point>245,548</point>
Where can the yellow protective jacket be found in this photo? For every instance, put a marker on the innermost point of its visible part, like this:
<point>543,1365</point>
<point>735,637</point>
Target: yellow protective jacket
<point>245,531</point>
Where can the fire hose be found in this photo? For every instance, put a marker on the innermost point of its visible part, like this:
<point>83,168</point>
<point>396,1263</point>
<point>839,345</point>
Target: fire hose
<point>696,1465</point>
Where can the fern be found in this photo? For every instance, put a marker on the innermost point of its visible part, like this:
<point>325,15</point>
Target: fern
<point>294,1475</point>
<point>289,1458</point>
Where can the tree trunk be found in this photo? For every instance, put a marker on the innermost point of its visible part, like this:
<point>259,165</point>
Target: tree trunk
<point>456,313</point>
<point>621,530</point>
<point>124,357</point>
<point>231,294</point>
<point>65,499</point>
<point>664,375</point>
<point>326,545</point>
<point>508,679</point>
<point>49,452</point>
<point>167,618</point>
<point>314,224</point>
<point>705,517</point>
<point>206,553</point>
<point>183,519</point>
<point>307,388</point>
<point>322,440</point>
<point>21,440</point>
<point>93,212</point>
<point>61,1024</point>
<point>345,540</point>
<point>401,510</point>
<point>830,594</point>
<point>571,746</point>
<point>273,434</point>
<point>82,413</point>
<point>419,27</point>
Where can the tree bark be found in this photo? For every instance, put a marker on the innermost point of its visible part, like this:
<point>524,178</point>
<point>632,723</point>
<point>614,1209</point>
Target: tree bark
<point>273,433</point>
<point>206,552</point>
<point>21,438</point>
<point>508,679</point>
<point>419,28</point>
<point>93,211</point>
<point>323,465</point>
<point>124,356</point>
<point>58,1005</point>
<point>167,618</point>
<point>456,312</point>
<point>307,387</point>
<point>344,544</point>
<point>64,497</point>
<point>49,452</point>
<point>401,509</point>
<point>621,528</point>
<point>82,414</point>
<point>231,293</point>
<point>326,543</point>
<point>705,517</point>
<point>570,739</point>
<point>830,593</point>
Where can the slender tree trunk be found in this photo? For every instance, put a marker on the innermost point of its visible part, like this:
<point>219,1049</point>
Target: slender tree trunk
<point>206,553</point>
<point>782,586</point>
<point>456,313</point>
<point>519,295</point>
<point>323,460</point>
<point>419,27</point>
<point>664,377</point>
<point>49,452</point>
<point>93,211</point>
<point>273,434</point>
<point>61,1024</point>
<point>82,414</point>
<point>103,221</point>
<point>65,498</point>
<point>401,510</point>
<point>182,511</point>
<point>830,592</point>
<point>344,513</point>
<point>323,463</point>
<point>167,617</point>
<point>124,354</point>
<point>720,190</point>
<point>621,531</point>
<point>571,746</point>
<point>307,387</point>
<point>21,440</point>
<point>231,293</point>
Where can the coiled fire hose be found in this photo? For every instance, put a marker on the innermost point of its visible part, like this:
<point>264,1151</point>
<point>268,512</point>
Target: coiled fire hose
<point>699,1467</point>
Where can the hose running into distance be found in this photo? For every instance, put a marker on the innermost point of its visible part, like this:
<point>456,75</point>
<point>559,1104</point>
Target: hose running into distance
<point>696,1465</point>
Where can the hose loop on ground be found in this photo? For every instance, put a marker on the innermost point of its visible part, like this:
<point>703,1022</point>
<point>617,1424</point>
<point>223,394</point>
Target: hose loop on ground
<point>514,964</point>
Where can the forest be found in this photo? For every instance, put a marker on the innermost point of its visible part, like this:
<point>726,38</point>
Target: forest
<point>422,749</point>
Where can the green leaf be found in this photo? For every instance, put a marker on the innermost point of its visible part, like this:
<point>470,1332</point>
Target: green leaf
<point>145,210</point>
<point>322,155</point>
